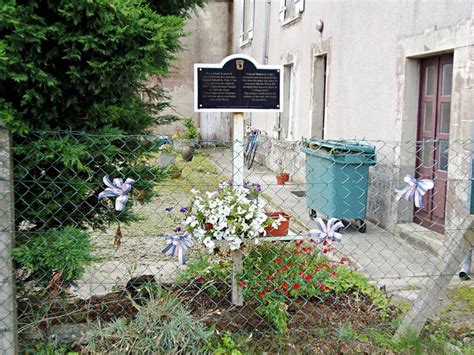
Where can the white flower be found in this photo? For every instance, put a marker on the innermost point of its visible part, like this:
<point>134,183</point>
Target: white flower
<point>235,244</point>
<point>210,245</point>
<point>194,192</point>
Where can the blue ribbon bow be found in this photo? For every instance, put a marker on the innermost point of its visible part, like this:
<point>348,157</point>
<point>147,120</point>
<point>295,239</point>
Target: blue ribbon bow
<point>327,231</point>
<point>178,244</point>
<point>415,189</point>
<point>117,189</point>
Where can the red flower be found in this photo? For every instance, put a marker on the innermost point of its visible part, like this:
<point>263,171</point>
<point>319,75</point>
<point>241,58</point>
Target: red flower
<point>285,292</point>
<point>333,273</point>
<point>308,277</point>
<point>302,265</point>
<point>343,260</point>
<point>290,263</point>
<point>270,278</point>
<point>262,294</point>
<point>324,265</point>
<point>278,260</point>
<point>326,251</point>
<point>201,279</point>
<point>300,273</point>
<point>277,272</point>
<point>267,288</point>
<point>284,285</point>
<point>296,286</point>
<point>299,242</point>
<point>242,283</point>
<point>325,243</point>
<point>296,252</point>
<point>284,267</point>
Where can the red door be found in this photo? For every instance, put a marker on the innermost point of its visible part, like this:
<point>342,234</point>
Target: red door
<point>433,138</point>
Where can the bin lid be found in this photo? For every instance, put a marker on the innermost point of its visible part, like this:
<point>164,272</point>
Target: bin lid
<point>346,146</point>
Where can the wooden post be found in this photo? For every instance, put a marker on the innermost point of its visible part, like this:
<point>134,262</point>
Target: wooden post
<point>429,300</point>
<point>8,327</point>
<point>238,179</point>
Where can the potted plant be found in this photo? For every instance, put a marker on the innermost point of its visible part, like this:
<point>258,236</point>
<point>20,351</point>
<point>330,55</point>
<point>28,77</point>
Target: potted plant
<point>167,156</point>
<point>280,225</point>
<point>282,175</point>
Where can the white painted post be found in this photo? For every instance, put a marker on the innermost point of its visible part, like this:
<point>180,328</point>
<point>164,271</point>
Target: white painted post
<point>8,328</point>
<point>238,179</point>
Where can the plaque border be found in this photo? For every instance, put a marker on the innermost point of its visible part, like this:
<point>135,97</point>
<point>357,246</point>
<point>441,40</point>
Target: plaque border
<point>220,66</point>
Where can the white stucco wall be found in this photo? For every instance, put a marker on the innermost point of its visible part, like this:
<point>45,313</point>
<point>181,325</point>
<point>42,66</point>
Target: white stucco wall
<point>364,41</point>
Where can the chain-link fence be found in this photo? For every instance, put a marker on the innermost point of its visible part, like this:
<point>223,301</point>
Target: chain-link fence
<point>261,260</point>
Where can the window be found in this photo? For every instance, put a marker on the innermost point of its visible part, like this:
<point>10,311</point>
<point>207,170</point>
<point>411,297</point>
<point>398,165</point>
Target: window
<point>246,33</point>
<point>290,10</point>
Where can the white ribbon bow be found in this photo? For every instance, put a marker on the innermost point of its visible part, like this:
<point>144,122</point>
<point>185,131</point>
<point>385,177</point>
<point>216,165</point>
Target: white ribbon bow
<point>117,189</point>
<point>327,231</point>
<point>178,244</point>
<point>415,189</point>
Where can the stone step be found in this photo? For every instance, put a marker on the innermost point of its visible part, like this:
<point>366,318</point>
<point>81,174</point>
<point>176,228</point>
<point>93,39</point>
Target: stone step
<point>422,238</point>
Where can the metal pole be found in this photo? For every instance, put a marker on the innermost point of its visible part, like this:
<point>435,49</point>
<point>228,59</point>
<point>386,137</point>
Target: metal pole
<point>238,179</point>
<point>8,326</point>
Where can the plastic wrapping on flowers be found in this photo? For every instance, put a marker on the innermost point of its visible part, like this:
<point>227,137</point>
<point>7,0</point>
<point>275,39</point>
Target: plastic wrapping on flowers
<point>231,214</point>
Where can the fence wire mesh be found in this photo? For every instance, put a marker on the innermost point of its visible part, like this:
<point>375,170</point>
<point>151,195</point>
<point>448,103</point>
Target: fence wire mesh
<point>92,276</point>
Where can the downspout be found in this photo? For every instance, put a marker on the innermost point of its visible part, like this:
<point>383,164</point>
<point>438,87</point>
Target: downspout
<point>266,34</point>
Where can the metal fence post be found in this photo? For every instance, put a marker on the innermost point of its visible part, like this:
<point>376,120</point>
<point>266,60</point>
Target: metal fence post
<point>8,326</point>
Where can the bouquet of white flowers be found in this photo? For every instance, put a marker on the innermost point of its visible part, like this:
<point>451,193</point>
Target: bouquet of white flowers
<point>232,214</point>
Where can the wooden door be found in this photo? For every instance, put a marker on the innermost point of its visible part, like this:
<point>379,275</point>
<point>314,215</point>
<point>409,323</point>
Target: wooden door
<point>433,138</point>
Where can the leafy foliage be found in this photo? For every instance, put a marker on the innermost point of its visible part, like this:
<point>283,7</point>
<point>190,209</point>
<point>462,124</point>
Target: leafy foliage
<point>161,326</point>
<point>275,273</point>
<point>67,250</point>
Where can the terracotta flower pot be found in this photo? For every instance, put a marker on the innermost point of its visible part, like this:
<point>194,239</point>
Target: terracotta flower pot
<point>284,226</point>
<point>282,178</point>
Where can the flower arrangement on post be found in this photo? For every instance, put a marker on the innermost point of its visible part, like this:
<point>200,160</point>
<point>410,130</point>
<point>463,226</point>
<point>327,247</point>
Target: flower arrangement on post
<point>231,214</point>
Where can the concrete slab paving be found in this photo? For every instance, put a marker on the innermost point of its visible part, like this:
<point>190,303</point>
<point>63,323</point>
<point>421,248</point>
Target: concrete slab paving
<point>383,257</point>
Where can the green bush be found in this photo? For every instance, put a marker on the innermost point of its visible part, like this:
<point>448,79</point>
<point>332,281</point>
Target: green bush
<point>75,93</point>
<point>162,326</point>
<point>67,250</point>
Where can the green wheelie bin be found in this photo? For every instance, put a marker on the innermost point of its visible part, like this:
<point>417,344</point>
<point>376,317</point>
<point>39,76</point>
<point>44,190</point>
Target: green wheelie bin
<point>337,179</point>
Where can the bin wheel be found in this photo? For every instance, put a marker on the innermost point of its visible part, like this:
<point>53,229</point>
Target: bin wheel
<point>312,213</point>
<point>361,225</point>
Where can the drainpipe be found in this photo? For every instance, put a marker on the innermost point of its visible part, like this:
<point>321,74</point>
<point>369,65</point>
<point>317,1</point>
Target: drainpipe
<point>266,34</point>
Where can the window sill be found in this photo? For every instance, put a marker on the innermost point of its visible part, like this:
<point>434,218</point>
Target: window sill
<point>291,21</point>
<point>246,43</point>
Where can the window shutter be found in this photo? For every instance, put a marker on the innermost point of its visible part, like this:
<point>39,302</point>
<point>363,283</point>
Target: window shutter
<point>251,17</point>
<point>299,6</point>
<point>282,10</point>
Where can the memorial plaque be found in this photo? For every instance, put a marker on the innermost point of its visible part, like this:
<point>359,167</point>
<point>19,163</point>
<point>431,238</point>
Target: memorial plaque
<point>237,84</point>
